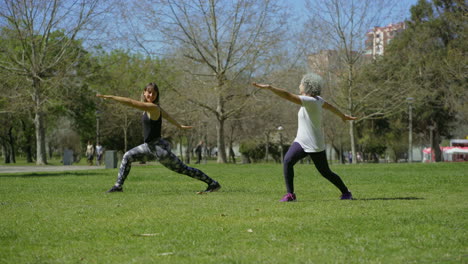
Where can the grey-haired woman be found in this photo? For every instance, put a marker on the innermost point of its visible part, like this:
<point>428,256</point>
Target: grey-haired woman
<point>154,147</point>
<point>309,140</point>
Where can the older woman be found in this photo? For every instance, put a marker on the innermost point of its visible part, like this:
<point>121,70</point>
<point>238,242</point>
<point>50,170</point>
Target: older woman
<point>309,140</point>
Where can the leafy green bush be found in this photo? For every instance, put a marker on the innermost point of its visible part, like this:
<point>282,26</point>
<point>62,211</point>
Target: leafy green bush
<point>255,150</point>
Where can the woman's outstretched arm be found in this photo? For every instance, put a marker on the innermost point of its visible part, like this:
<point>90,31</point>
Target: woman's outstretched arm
<point>337,112</point>
<point>280,92</point>
<point>153,109</point>
<point>171,120</point>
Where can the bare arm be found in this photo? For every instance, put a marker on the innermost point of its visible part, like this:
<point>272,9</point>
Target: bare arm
<point>151,108</point>
<point>337,112</point>
<point>144,106</point>
<point>171,120</point>
<point>280,92</point>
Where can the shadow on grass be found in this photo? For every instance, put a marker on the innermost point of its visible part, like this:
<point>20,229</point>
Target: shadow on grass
<point>50,174</point>
<point>388,199</point>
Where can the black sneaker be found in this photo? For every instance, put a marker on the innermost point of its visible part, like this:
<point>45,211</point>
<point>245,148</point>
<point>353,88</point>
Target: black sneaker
<point>115,189</point>
<point>214,187</point>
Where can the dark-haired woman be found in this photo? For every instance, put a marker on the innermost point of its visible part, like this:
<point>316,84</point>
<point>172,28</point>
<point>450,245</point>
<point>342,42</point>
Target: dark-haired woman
<point>154,147</point>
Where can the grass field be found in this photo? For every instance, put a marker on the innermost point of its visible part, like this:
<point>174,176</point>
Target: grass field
<point>403,213</point>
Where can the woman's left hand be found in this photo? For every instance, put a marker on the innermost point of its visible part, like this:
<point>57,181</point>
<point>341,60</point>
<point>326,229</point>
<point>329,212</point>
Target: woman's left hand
<point>348,117</point>
<point>104,96</point>
<point>261,85</point>
<point>185,127</point>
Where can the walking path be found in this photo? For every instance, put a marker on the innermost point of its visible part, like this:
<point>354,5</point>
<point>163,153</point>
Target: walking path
<point>46,168</point>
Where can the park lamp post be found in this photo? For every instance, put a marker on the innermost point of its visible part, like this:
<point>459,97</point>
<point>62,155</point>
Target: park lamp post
<point>280,130</point>
<point>410,127</point>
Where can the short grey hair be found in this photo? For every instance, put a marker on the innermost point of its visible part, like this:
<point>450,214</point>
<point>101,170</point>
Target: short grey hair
<point>312,83</point>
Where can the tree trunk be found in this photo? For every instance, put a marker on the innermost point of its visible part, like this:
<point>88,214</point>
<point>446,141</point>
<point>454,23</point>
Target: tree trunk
<point>181,151</point>
<point>350,107</point>
<point>28,147</point>
<point>29,154</point>
<point>51,150</point>
<point>436,145</point>
<point>6,152</point>
<point>337,152</point>
<point>395,156</point>
<point>232,155</point>
<point>375,158</point>
<point>11,141</point>
<point>353,145</point>
<point>205,147</point>
<point>189,149</point>
<point>220,142</point>
<point>342,159</point>
<point>267,145</point>
<point>125,139</point>
<point>125,131</point>
<point>41,157</point>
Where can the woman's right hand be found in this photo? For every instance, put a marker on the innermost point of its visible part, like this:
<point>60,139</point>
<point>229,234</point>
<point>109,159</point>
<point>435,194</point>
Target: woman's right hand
<point>185,127</point>
<point>261,85</point>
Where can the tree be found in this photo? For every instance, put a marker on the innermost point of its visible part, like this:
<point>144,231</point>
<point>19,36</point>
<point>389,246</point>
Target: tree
<point>430,57</point>
<point>7,141</point>
<point>341,25</point>
<point>123,74</point>
<point>225,40</point>
<point>41,48</point>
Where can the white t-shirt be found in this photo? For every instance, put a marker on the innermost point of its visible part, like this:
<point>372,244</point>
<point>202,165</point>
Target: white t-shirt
<point>309,131</point>
<point>89,150</point>
<point>98,149</point>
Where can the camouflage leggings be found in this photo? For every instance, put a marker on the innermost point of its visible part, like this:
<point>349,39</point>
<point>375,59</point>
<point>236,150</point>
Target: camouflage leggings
<point>158,150</point>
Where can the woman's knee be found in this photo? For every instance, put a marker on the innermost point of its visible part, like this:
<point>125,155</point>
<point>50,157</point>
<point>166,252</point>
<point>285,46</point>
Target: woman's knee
<point>289,160</point>
<point>326,173</point>
<point>172,163</point>
<point>127,157</point>
<point>288,165</point>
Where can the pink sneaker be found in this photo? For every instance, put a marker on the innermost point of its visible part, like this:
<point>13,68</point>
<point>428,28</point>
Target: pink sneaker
<point>289,197</point>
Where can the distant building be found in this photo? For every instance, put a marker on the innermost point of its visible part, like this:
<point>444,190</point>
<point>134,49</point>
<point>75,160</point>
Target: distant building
<point>379,37</point>
<point>326,62</point>
<point>323,62</point>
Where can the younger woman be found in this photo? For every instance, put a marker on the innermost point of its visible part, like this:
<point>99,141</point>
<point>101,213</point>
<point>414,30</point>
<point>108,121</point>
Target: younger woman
<point>154,147</point>
<point>309,139</point>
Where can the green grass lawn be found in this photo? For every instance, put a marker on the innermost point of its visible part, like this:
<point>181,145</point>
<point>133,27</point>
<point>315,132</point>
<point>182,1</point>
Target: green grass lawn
<point>403,213</point>
<point>54,161</point>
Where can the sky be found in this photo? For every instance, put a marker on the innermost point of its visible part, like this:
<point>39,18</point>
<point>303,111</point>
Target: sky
<point>297,10</point>
<point>299,7</point>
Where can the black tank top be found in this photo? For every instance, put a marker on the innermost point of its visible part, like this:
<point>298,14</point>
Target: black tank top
<point>151,128</point>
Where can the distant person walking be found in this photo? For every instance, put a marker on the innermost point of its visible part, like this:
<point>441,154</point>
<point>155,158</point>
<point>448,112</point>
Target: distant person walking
<point>99,152</point>
<point>309,140</point>
<point>198,152</point>
<point>358,157</point>
<point>154,147</point>
<point>90,153</point>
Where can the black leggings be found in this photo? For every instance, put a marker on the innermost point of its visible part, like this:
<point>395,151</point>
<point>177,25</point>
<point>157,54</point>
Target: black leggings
<point>158,150</point>
<point>296,153</point>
